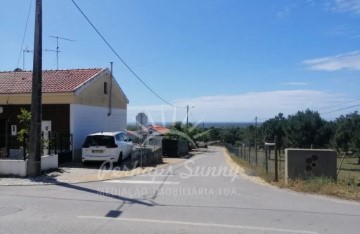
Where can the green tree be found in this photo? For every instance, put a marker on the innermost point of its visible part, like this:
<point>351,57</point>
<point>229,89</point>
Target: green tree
<point>355,140</point>
<point>249,135</point>
<point>274,127</point>
<point>23,135</point>
<point>306,129</point>
<point>347,133</point>
<point>227,136</point>
<point>214,134</point>
<point>177,126</point>
<point>191,133</point>
<point>231,135</point>
<point>343,133</point>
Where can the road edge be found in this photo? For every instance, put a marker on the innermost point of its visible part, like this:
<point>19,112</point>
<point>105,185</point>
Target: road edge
<point>241,171</point>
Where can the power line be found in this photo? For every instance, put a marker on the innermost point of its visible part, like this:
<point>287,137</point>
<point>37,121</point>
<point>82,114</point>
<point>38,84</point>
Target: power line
<point>23,39</point>
<point>341,109</point>
<point>118,56</point>
<point>193,116</point>
<point>21,51</point>
<point>340,104</point>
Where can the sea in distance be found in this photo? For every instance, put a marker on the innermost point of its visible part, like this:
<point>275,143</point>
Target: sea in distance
<point>204,124</point>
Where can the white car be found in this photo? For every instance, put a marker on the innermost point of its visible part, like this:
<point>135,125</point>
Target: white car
<point>106,146</point>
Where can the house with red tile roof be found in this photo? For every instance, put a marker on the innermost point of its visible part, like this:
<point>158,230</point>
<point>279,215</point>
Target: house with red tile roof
<point>158,130</point>
<point>75,102</point>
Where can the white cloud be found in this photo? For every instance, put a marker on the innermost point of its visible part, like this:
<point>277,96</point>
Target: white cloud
<point>295,83</point>
<point>350,61</point>
<point>285,12</point>
<point>346,6</point>
<point>288,10</point>
<point>241,107</point>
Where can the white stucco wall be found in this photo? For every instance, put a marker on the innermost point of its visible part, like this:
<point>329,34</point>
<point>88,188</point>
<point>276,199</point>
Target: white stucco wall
<point>13,167</point>
<point>49,162</point>
<point>89,119</point>
<point>19,167</point>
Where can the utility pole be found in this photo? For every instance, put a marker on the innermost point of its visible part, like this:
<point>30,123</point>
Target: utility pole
<point>187,115</point>
<point>34,163</point>
<point>256,157</point>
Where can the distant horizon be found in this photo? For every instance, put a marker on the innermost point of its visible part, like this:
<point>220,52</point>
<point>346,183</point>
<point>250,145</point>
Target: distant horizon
<point>134,122</point>
<point>205,124</point>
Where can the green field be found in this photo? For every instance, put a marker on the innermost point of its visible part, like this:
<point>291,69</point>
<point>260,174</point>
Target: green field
<point>349,168</point>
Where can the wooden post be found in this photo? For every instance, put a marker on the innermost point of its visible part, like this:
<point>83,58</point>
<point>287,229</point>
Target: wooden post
<point>279,151</point>
<point>342,160</point>
<point>276,161</point>
<point>266,160</point>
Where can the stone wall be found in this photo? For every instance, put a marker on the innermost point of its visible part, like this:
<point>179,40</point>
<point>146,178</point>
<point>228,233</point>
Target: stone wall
<point>147,156</point>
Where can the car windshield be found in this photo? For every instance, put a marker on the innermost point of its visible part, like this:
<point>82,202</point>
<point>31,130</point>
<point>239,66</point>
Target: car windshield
<point>99,140</point>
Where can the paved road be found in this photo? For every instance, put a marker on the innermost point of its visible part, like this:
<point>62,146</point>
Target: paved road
<point>200,195</point>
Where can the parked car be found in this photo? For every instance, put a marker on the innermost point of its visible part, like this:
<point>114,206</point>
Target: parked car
<point>106,146</point>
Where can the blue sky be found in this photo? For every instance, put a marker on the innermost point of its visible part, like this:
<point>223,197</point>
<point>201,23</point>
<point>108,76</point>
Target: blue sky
<point>231,59</point>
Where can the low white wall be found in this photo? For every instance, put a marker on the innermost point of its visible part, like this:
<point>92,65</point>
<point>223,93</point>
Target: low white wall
<point>49,162</point>
<point>13,167</point>
<point>19,167</point>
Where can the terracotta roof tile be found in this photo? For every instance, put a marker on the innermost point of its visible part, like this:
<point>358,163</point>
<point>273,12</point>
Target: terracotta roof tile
<point>53,81</point>
<point>159,129</point>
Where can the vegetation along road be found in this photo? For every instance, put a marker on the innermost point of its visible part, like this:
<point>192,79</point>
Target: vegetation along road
<point>198,195</point>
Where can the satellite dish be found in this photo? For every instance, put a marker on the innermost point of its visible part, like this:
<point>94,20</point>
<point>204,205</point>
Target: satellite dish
<point>141,119</point>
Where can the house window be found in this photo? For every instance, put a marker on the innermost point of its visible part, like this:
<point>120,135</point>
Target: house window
<point>105,88</point>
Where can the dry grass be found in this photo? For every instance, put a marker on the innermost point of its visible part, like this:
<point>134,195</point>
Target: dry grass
<point>347,186</point>
<point>252,170</point>
<point>343,188</point>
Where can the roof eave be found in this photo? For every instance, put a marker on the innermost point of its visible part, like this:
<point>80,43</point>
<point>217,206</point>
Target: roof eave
<point>95,77</point>
<point>77,90</point>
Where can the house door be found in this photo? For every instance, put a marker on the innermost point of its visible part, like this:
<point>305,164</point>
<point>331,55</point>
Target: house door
<point>4,137</point>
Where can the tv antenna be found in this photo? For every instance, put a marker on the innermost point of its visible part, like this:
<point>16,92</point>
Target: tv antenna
<point>57,48</point>
<point>31,51</point>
